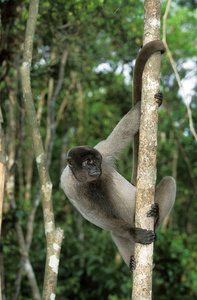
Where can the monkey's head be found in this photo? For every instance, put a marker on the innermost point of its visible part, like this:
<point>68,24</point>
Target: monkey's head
<point>85,163</point>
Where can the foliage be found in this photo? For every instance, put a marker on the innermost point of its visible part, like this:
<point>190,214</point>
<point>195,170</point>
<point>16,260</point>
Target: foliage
<point>175,266</point>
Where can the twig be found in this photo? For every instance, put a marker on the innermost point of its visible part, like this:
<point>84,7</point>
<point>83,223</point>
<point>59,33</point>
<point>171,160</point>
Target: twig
<point>182,151</point>
<point>64,102</point>
<point>176,72</point>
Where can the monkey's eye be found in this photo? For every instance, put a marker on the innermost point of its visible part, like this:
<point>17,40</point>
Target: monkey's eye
<point>87,162</point>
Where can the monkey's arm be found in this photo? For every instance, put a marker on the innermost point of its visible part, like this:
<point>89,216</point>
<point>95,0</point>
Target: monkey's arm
<point>121,135</point>
<point>122,229</point>
<point>116,225</point>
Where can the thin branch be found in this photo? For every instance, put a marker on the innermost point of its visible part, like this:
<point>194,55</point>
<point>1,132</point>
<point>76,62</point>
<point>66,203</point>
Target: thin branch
<point>51,120</point>
<point>21,241</point>
<point>28,240</point>
<point>2,188</point>
<point>176,72</point>
<point>182,151</point>
<point>26,261</point>
<point>40,106</point>
<point>2,168</point>
<point>65,100</point>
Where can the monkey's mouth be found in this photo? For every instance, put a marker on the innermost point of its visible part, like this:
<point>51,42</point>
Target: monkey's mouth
<point>95,173</point>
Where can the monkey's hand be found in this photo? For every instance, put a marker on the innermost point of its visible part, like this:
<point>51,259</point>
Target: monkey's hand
<point>142,236</point>
<point>159,97</point>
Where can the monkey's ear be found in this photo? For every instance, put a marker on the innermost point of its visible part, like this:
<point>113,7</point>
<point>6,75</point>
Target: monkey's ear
<point>70,163</point>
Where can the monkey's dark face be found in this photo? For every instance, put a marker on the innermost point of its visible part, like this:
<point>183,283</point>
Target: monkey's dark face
<point>85,163</point>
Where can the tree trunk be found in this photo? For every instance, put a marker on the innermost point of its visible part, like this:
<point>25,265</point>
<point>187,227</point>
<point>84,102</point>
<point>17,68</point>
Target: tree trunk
<point>2,186</point>
<point>54,236</point>
<point>146,179</point>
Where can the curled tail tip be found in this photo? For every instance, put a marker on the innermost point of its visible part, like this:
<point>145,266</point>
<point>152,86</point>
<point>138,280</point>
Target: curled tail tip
<point>157,45</point>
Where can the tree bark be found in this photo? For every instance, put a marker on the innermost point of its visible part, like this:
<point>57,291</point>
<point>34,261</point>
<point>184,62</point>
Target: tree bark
<point>146,179</point>
<point>54,236</point>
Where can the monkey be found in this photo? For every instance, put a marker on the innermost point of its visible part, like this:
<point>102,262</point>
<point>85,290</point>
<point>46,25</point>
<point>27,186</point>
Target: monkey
<point>102,195</point>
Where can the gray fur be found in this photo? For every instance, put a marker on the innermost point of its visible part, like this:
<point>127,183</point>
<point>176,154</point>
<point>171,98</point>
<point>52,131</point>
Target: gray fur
<point>110,203</point>
<point>118,215</point>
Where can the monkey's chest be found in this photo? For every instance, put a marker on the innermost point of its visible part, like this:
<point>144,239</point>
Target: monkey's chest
<point>97,196</point>
<point>109,198</point>
<point>94,213</point>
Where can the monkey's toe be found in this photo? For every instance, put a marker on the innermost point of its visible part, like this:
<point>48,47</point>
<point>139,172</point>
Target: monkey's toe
<point>154,212</point>
<point>150,237</point>
<point>159,97</point>
<point>132,264</point>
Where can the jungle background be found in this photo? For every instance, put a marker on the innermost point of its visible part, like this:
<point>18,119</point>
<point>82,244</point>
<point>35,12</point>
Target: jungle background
<point>83,59</point>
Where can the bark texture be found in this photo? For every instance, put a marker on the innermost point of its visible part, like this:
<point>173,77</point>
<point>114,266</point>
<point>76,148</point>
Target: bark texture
<point>54,235</point>
<point>146,179</point>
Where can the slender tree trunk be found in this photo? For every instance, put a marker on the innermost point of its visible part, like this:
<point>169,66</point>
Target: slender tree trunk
<point>80,104</point>
<point>65,100</point>
<point>54,235</point>
<point>26,262</point>
<point>64,150</point>
<point>2,187</point>
<point>51,106</point>
<point>146,179</point>
<point>28,240</point>
<point>49,114</point>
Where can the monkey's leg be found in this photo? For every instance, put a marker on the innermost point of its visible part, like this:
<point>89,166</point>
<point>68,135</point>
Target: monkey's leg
<point>125,247</point>
<point>165,197</point>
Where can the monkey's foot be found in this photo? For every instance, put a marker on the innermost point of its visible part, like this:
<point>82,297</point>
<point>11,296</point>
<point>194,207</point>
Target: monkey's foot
<point>159,97</point>
<point>132,264</point>
<point>154,212</point>
<point>143,236</point>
